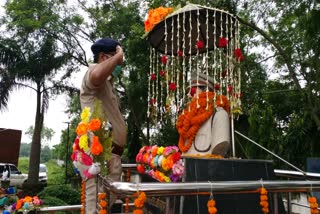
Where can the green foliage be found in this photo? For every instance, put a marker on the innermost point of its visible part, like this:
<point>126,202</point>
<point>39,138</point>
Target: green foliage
<point>56,173</point>
<point>65,193</point>
<point>23,164</point>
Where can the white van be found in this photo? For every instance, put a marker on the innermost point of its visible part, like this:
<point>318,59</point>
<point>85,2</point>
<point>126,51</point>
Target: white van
<point>14,175</point>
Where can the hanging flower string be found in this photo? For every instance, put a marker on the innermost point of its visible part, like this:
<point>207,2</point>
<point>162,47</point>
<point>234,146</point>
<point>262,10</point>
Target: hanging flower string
<point>212,206</point>
<point>313,205</point>
<point>264,200</point>
<point>83,197</point>
<point>193,117</point>
<point>103,203</point>
<point>127,198</point>
<point>139,202</point>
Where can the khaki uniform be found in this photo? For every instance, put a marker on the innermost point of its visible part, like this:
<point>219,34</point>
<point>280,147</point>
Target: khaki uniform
<point>110,104</point>
<point>213,137</point>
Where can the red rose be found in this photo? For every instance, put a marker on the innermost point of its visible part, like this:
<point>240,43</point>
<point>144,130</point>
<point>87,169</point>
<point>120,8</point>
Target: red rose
<point>172,86</point>
<point>152,101</point>
<point>216,86</point>
<point>162,73</point>
<point>222,42</point>
<point>180,53</point>
<point>224,73</point>
<point>193,90</point>
<point>200,44</point>
<point>153,77</point>
<point>164,59</point>
<point>230,88</point>
<point>238,54</point>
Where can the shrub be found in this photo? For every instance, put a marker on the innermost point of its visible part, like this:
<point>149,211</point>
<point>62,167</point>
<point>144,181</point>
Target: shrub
<point>62,192</point>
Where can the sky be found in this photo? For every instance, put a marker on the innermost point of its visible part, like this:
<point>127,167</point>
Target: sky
<point>20,113</point>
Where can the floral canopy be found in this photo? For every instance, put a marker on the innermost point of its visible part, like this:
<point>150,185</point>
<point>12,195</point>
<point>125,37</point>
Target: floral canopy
<point>192,39</point>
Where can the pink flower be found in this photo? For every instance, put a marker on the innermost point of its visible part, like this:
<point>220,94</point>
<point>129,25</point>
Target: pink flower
<point>164,59</point>
<point>87,174</point>
<point>86,159</point>
<point>153,77</point>
<point>172,86</point>
<point>162,73</point>
<point>200,44</point>
<point>180,53</point>
<point>222,42</point>
<point>139,158</point>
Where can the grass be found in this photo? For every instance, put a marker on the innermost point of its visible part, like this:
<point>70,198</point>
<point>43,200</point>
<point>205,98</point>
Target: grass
<point>56,173</point>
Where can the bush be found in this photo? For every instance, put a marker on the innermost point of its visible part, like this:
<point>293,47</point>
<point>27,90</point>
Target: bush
<point>63,192</point>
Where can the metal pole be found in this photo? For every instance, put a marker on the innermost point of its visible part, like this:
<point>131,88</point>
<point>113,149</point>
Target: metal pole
<point>232,137</point>
<point>67,154</point>
<point>289,205</point>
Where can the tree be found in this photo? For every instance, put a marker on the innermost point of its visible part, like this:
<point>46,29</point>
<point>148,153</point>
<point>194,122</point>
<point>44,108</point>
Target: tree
<point>39,43</point>
<point>46,133</point>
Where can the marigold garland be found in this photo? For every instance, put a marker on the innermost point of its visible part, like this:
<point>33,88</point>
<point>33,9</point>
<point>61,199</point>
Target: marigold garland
<point>212,206</point>
<point>264,200</point>
<point>155,16</point>
<point>127,198</point>
<point>139,202</point>
<point>83,197</point>
<point>195,114</point>
<point>313,205</point>
<point>103,203</point>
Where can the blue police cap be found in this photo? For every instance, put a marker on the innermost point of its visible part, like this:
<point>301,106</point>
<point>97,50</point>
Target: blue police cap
<point>105,45</point>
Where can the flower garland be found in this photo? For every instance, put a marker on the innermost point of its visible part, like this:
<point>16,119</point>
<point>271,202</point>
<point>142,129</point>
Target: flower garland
<point>194,115</point>
<point>139,202</point>
<point>127,198</point>
<point>313,205</point>
<point>212,206</point>
<point>264,200</point>
<point>162,163</point>
<point>155,16</point>
<point>83,197</point>
<point>92,146</point>
<point>103,203</point>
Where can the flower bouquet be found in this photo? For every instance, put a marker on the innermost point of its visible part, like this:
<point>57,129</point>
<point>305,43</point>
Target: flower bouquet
<point>161,163</point>
<point>26,204</point>
<point>92,146</point>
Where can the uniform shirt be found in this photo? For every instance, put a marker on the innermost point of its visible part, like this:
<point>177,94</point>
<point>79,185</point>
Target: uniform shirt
<point>110,104</point>
<point>213,132</point>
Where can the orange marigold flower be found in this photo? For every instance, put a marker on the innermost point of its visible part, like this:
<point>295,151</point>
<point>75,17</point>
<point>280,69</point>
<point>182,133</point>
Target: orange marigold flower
<point>212,210</point>
<point>27,199</point>
<point>137,211</point>
<point>103,211</point>
<point>102,195</point>
<point>211,203</point>
<point>19,204</point>
<point>263,191</point>
<point>265,209</point>
<point>312,199</point>
<point>96,147</point>
<point>263,198</point>
<point>103,203</point>
<point>94,124</point>
<point>82,129</point>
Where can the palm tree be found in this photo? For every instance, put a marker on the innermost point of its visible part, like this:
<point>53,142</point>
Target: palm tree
<point>37,46</point>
